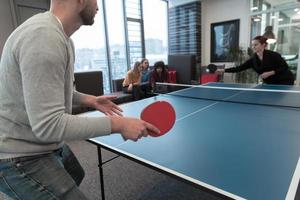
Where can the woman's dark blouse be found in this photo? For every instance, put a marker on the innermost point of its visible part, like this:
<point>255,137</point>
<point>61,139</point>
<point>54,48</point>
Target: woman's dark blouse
<point>271,61</point>
<point>163,78</point>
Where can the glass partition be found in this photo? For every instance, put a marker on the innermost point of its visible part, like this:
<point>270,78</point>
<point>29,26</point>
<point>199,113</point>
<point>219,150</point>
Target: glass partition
<point>280,20</point>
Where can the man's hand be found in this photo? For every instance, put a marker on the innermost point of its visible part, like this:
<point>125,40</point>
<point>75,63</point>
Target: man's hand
<point>105,105</point>
<point>267,74</point>
<point>131,128</point>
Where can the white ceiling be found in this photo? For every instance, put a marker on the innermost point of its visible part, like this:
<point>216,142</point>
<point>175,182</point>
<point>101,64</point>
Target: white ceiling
<point>280,3</point>
<point>276,2</point>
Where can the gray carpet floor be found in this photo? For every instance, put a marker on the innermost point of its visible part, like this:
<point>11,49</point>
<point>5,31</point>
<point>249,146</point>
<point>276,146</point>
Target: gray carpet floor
<point>125,179</point>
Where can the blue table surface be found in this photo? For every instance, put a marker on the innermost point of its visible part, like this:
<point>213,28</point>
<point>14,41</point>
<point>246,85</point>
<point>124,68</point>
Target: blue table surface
<point>250,151</point>
<point>258,86</point>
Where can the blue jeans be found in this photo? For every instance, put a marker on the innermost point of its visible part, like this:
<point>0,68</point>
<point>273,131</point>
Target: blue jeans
<point>53,176</point>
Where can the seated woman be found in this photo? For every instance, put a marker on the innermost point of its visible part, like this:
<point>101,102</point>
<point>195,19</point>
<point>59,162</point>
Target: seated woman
<point>270,66</point>
<point>132,81</point>
<point>145,80</point>
<point>159,74</point>
<point>145,71</point>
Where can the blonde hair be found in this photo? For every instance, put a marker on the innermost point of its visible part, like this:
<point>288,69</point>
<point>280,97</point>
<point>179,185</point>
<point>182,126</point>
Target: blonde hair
<point>136,71</point>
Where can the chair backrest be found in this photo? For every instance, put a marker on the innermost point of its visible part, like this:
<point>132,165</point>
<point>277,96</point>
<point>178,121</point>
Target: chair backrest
<point>207,78</point>
<point>172,76</point>
<point>118,84</point>
<point>90,82</point>
<point>205,69</point>
<point>207,74</point>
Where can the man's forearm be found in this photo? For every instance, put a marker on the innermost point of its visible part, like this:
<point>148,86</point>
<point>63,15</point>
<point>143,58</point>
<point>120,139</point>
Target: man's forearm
<point>83,99</point>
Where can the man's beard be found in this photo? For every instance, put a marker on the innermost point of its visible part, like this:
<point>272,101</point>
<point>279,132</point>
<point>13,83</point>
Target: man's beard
<point>87,16</point>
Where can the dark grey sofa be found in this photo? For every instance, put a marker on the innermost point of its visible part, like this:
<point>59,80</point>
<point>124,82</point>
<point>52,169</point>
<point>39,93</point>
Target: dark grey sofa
<point>118,91</point>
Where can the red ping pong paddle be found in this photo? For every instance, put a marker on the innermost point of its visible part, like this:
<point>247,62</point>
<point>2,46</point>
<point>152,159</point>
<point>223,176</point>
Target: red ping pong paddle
<point>161,114</point>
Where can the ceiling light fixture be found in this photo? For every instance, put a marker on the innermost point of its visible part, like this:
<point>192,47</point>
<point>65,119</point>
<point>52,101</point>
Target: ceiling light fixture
<point>269,34</point>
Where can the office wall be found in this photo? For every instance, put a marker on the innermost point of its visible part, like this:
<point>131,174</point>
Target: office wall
<point>224,10</point>
<point>6,22</point>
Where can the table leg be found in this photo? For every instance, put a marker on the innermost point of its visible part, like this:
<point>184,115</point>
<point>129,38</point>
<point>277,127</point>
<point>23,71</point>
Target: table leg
<point>101,172</point>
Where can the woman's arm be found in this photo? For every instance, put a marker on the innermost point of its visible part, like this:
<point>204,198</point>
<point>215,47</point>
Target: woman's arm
<point>127,80</point>
<point>138,81</point>
<point>279,65</point>
<point>246,65</point>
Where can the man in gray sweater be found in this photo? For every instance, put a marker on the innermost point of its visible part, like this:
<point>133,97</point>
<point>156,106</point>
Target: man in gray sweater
<point>36,96</point>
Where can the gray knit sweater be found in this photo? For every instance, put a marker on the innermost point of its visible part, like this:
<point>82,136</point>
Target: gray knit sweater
<point>36,91</point>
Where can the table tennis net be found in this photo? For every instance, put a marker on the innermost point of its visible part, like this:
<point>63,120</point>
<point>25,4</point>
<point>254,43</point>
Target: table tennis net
<point>249,94</point>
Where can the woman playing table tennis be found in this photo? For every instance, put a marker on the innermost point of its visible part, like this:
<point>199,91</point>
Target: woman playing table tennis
<point>270,66</point>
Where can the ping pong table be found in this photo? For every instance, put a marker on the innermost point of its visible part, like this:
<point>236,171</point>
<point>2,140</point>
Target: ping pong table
<point>237,141</point>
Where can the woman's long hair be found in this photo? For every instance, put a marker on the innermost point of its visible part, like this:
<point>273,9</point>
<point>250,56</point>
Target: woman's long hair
<point>164,74</point>
<point>136,70</point>
<point>143,60</point>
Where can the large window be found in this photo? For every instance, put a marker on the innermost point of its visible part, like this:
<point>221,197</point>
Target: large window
<point>120,36</point>
<point>134,30</point>
<point>116,38</point>
<point>156,30</point>
<point>90,48</point>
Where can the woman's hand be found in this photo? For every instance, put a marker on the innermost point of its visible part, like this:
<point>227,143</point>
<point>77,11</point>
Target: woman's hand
<point>267,74</point>
<point>105,105</point>
<point>130,87</point>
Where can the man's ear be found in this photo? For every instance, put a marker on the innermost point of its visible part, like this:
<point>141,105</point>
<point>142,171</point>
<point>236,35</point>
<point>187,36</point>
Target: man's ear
<point>81,3</point>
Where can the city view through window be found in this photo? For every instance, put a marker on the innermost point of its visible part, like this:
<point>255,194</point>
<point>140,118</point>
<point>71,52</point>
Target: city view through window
<point>156,30</point>
<point>91,47</point>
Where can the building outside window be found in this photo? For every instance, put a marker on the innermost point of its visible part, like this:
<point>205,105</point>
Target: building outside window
<point>116,38</point>
<point>135,35</point>
<point>90,48</point>
<point>155,14</point>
